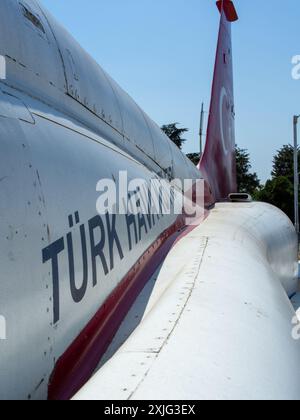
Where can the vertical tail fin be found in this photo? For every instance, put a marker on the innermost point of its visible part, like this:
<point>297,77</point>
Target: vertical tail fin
<point>218,162</point>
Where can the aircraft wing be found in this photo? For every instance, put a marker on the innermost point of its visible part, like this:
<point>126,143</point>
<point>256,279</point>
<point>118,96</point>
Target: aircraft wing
<point>216,321</point>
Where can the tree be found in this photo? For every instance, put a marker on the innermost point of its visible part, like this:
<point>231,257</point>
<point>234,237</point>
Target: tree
<point>283,163</point>
<point>247,182</point>
<point>194,158</point>
<point>175,134</point>
<point>279,192</point>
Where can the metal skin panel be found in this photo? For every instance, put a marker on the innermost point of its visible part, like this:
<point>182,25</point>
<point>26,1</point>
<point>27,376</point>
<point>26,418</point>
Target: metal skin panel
<point>32,57</point>
<point>87,83</point>
<point>25,355</point>
<point>135,128</point>
<point>216,319</point>
<point>12,107</point>
<point>179,165</point>
<point>66,77</point>
<point>44,180</point>
<point>169,157</point>
<point>163,151</point>
<point>99,93</point>
<point>92,87</point>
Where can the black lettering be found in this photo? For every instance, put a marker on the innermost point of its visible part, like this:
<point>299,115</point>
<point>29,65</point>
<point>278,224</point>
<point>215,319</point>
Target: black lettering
<point>113,239</point>
<point>51,254</point>
<point>142,224</point>
<point>77,218</point>
<point>97,250</point>
<point>152,208</point>
<point>147,197</point>
<point>161,209</point>
<point>130,221</point>
<point>157,199</point>
<point>78,294</point>
<point>71,223</point>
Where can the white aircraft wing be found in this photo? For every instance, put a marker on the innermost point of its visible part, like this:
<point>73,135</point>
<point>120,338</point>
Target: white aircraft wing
<point>216,321</point>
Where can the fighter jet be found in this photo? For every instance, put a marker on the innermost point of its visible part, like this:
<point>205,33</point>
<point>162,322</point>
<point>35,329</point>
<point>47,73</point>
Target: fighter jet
<point>128,298</point>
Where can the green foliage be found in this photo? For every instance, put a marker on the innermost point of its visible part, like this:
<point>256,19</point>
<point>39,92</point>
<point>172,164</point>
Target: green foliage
<point>283,163</point>
<point>175,134</point>
<point>194,158</point>
<point>279,191</point>
<point>247,182</point>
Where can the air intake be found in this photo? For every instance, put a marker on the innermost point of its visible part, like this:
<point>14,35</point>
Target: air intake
<point>240,198</point>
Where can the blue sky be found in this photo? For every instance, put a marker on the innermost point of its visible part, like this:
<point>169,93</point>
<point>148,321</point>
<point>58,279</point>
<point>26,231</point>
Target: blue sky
<point>162,53</point>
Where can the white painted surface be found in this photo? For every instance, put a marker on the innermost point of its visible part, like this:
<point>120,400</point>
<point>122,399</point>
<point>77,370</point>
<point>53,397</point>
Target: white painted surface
<point>218,323</point>
<point>62,129</point>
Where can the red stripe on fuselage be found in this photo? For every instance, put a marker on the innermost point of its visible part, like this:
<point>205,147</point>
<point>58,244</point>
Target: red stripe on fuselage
<point>78,363</point>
